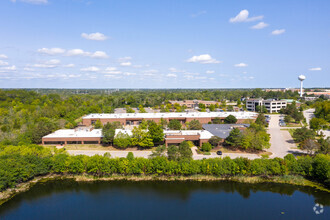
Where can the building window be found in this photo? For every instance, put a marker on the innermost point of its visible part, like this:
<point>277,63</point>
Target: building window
<point>73,142</point>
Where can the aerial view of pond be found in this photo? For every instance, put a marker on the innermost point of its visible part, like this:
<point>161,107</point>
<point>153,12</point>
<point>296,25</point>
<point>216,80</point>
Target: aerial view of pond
<point>68,199</point>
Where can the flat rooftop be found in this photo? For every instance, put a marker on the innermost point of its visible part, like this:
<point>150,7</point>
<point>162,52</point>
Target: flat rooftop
<point>69,133</point>
<point>238,115</point>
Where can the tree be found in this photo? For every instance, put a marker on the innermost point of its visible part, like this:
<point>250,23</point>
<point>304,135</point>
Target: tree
<point>212,108</point>
<point>159,151</point>
<point>317,123</point>
<point>174,124</point>
<point>215,140</point>
<point>141,109</point>
<point>163,122</point>
<point>217,120</point>
<point>173,152</point>
<point>122,140</point>
<point>194,125</point>
<point>261,120</point>
<point>287,119</point>
<point>309,145</point>
<point>230,119</point>
<point>129,110</point>
<point>235,138</point>
<point>98,124</point>
<point>141,138</point>
<point>185,151</point>
<point>109,130</point>
<point>206,147</point>
<point>324,145</point>
<point>156,132</point>
<point>302,134</point>
<point>181,153</point>
<point>130,156</point>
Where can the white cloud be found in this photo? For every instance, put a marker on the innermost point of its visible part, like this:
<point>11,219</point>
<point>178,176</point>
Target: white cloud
<point>90,69</point>
<point>241,65</point>
<point>51,51</point>
<point>94,36</point>
<point>28,69</point>
<point>204,58</point>
<point>260,25</point>
<point>198,14</point>
<point>112,71</point>
<point>3,63</point>
<point>113,76</point>
<point>129,74</point>
<point>80,52</point>
<point>172,75</point>
<point>151,72</point>
<point>99,54</point>
<point>77,52</point>
<point>126,64</point>
<point>8,68</point>
<point>278,31</point>
<point>47,64</point>
<point>3,56</point>
<point>70,65</point>
<point>37,2</point>
<point>243,16</point>
<point>175,70</point>
<point>210,71</point>
<point>315,69</point>
<point>122,59</point>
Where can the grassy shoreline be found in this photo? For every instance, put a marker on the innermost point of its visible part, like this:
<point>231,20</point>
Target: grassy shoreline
<point>292,180</point>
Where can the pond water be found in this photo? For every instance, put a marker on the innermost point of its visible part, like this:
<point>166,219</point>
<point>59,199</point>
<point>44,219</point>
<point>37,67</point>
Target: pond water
<point>67,199</point>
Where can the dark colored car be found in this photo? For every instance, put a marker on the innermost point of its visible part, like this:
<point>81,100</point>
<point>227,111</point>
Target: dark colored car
<point>219,152</point>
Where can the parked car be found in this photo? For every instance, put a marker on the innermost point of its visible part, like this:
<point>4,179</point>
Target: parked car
<point>219,152</point>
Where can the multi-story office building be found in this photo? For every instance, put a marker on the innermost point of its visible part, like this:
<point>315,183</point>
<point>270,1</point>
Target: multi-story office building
<point>271,105</point>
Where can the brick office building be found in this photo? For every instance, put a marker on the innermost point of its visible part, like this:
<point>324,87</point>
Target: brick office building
<point>183,117</point>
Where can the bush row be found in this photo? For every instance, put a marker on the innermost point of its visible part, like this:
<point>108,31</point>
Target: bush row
<point>18,164</point>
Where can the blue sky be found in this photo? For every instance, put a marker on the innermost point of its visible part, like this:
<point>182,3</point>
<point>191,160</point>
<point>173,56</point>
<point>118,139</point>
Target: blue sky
<point>164,44</point>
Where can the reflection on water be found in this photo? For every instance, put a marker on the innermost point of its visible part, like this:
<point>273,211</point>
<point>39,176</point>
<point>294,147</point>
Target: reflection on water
<point>159,195</point>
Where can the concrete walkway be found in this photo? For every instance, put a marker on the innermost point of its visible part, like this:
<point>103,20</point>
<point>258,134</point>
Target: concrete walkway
<point>309,114</point>
<point>280,140</point>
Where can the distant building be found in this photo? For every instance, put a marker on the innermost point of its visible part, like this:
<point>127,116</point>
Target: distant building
<point>183,117</point>
<point>271,105</point>
<point>194,103</point>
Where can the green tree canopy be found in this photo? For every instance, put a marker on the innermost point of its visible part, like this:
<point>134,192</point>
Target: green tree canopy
<point>230,119</point>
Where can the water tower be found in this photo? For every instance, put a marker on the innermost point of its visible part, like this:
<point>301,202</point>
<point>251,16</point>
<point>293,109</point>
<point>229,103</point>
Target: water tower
<point>301,78</point>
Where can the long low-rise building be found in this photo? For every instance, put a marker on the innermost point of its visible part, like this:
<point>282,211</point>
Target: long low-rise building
<point>79,135</point>
<point>94,136</point>
<point>183,117</point>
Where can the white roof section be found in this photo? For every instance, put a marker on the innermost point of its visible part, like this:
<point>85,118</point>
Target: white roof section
<point>124,131</point>
<point>67,133</point>
<point>203,133</point>
<point>238,115</point>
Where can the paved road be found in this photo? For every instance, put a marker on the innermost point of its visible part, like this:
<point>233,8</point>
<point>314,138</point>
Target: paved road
<point>231,155</point>
<point>309,114</point>
<point>280,140</point>
<point>144,154</point>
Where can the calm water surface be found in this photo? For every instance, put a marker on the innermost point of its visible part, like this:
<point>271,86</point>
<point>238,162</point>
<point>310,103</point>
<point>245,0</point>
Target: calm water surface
<point>67,199</point>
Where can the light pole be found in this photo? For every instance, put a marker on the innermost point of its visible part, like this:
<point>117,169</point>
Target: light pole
<point>301,78</point>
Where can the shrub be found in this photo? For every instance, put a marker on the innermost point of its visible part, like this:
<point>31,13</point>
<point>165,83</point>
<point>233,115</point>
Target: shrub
<point>206,147</point>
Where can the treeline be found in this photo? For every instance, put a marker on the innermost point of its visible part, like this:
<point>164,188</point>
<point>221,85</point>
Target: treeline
<point>24,163</point>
